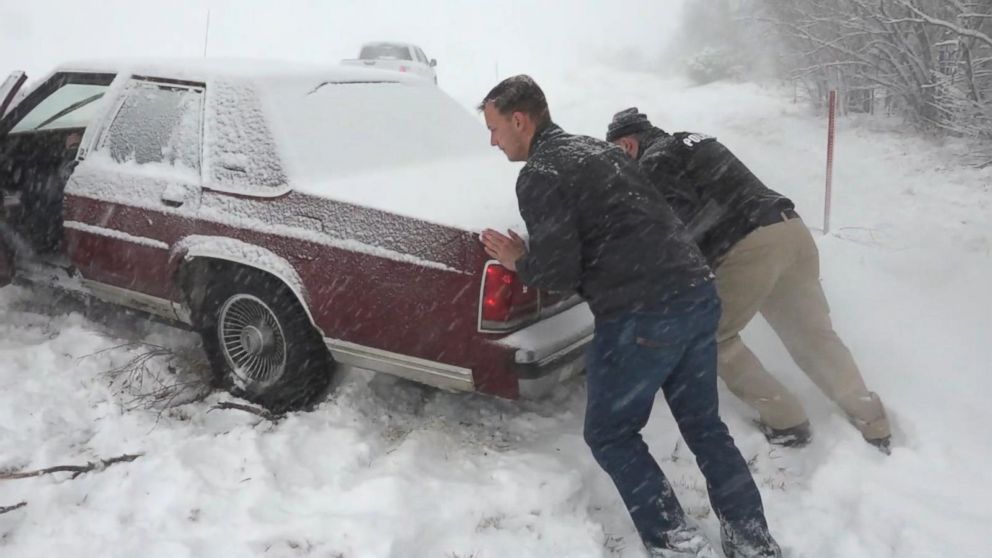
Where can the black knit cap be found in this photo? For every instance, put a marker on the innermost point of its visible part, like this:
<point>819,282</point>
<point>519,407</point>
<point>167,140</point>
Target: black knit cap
<point>627,122</point>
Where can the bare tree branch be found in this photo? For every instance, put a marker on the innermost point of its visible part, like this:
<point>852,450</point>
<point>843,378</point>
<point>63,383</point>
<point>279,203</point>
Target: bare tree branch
<point>5,509</point>
<point>75,469</point>
<point>248,409</point>
<point>957,29</point>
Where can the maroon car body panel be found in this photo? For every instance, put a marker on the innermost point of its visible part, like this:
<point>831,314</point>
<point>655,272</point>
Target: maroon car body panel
<point>354,296</point>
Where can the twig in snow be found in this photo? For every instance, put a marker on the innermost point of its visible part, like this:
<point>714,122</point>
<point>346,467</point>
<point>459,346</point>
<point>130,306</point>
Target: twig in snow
<point>253,410</point>
<point>160,377</point>
<point>75,469</point>
<point>5,509</point>
<point>121,346</point>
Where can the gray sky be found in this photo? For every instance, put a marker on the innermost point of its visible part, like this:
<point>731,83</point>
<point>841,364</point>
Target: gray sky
<point>474,42</point>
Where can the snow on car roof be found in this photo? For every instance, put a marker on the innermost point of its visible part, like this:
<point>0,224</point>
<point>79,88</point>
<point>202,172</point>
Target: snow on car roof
<point>205,69</point>
<point>405,148</point>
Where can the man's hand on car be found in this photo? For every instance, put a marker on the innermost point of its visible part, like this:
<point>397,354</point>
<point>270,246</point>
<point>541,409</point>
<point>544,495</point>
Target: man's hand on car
<point>506,249</point>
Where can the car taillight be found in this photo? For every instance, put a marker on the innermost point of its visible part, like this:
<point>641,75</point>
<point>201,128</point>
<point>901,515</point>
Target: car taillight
<point>403,68</point>
<point>506,302</point>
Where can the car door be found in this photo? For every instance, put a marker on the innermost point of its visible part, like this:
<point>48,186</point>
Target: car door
<point>430,64</point>
<point>39,137</point>
<point>9,90</point>
<point>136,191</point>
<point>423,66</point>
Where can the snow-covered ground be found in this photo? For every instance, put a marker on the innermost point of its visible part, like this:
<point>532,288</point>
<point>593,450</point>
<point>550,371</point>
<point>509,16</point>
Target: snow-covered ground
<point>385,468</point>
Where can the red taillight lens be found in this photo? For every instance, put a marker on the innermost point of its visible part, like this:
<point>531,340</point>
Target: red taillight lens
<point>498,289</point>
<point>403,68</point>
<point>506,301</point>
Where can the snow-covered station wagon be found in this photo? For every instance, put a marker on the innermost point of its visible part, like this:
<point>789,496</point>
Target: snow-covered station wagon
<point>299,218</point>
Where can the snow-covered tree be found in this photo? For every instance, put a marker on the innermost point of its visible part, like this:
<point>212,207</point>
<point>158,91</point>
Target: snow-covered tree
<point>930,60</point>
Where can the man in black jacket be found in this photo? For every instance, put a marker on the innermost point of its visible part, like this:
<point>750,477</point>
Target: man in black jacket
<point>597,226</point>
<point>766,261</point>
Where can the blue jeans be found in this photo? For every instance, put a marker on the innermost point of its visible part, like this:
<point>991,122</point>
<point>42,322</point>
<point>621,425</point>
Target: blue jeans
<point>671,348</point>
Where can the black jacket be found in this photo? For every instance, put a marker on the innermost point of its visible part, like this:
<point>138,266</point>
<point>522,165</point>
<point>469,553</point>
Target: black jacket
<point>597,227</point>
<point>712,191</point>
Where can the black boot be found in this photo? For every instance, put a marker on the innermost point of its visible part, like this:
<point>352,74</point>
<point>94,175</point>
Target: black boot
<point>884,445</point>
<point>686,541</point>
<point>748,540</point>
<point>792,437</point>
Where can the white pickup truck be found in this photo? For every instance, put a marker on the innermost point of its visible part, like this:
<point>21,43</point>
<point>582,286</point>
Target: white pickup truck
<point>399,57</point>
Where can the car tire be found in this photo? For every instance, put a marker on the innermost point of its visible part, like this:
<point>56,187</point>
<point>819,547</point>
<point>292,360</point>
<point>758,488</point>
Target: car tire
<point>260,342</point>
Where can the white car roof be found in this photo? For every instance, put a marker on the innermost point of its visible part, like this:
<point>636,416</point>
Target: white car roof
<point>205,69</point>
<point>391,43</point>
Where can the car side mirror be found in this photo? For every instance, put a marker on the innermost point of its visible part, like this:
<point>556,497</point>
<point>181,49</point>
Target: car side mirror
<point>433,62</point>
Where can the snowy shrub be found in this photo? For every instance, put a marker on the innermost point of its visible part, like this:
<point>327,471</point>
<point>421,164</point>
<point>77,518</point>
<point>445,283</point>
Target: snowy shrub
<point>712,64</point>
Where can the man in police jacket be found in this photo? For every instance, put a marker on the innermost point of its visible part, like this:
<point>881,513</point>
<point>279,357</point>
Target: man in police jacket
<point>765,261</point>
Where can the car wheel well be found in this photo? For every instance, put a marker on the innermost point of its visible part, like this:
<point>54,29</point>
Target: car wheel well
<point>194,277</point>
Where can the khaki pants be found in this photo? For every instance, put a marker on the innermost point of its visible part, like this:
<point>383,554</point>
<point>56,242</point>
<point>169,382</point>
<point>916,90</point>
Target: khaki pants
<point>775,270</point>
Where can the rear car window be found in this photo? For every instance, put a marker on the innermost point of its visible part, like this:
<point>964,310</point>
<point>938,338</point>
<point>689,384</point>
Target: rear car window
<point>387,52</point>
<point>157,124</point>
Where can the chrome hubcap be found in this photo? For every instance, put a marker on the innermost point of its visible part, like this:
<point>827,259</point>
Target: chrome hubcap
<point>252,341</point>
